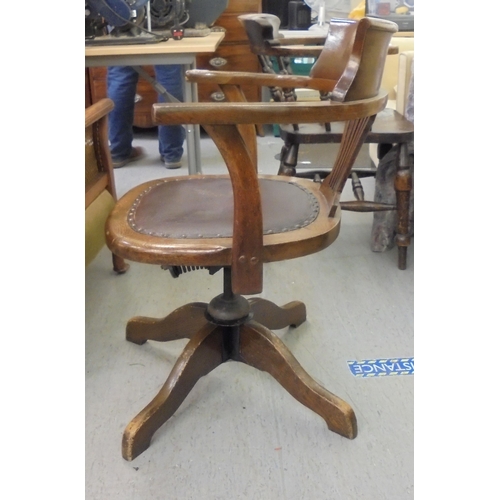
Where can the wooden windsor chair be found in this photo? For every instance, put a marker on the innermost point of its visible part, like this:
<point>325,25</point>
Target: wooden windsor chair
<point>333,62</point>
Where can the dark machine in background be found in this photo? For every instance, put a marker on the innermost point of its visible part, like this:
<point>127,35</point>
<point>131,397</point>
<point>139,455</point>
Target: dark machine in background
<point>293,14</point>
<point>279,8</point>
<point>148,21</point>
<point>233,54</point>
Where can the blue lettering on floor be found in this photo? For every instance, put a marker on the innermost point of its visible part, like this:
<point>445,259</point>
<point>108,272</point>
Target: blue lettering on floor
<point>385,367</point>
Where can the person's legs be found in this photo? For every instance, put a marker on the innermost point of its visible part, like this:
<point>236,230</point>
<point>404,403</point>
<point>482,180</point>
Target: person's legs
<point>121,85</point>
<point>171,137</point>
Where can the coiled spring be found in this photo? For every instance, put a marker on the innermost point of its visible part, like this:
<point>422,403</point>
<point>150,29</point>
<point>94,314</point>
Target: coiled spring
<point>176,271</point>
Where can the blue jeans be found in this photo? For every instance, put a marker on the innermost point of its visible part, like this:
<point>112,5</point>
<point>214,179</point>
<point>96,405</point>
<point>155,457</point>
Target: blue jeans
<point>122,85</point>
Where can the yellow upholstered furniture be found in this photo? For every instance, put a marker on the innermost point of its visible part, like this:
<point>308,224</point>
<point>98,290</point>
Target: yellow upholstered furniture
<point>95,217</point>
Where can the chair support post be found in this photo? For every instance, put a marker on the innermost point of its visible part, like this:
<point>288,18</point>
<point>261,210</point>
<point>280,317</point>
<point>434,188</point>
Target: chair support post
<point>228,308</point>
<point>228,288</point>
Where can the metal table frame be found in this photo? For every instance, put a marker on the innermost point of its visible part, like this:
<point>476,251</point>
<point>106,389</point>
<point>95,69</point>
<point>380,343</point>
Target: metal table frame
<point>181,52</point>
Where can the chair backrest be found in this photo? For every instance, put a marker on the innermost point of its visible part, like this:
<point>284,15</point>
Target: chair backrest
<point>360,80</point>
<point>350,55</point>
<point>363,74</point>
<point>336,51</point>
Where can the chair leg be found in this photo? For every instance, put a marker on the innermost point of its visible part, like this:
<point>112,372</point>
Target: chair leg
<point>202,354</point>
<point>288,159</point>
<point>227,336</point>
<point>263,350</point>
<point>182,323</point>
<point>403,185</point>
<point>357,187</point>
<point>119,265</point>
<point>275,317</point>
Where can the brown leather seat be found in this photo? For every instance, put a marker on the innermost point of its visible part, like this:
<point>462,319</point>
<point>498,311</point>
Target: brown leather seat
<point>212,216</point>
<point>199,211</point>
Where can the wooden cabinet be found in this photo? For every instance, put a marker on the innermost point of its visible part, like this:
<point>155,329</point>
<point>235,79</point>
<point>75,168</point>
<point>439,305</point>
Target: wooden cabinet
<point>233,54</point>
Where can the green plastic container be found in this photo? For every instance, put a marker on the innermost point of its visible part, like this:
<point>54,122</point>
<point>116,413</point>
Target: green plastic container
<point>300,65</point>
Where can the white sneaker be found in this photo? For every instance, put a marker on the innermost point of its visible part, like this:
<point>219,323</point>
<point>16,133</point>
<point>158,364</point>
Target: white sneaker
<point>172,164</point>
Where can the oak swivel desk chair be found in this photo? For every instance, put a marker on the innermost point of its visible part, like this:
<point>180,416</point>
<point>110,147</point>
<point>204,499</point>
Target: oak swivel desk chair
<point>391,128</point>
<point>237,223</point>
<point>100,194</point>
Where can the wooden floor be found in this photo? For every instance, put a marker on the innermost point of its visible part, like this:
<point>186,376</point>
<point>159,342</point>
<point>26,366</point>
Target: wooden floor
<point>239,435</point>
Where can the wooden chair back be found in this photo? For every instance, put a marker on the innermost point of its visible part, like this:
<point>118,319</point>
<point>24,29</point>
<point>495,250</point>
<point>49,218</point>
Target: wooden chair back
<point>363,73</point>
<point>100,192</point>
<point>336,50</point>
<point>338,59</point>
<point>98,165</point>
<point>360,80</point>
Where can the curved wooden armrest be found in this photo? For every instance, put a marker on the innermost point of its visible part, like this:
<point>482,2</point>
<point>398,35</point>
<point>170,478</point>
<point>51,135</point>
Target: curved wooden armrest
<point>97,110</point>
<point>259,79</point>
<point>225,113</point>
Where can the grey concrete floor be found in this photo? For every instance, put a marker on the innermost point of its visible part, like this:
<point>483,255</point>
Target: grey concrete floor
<point>239,434</point>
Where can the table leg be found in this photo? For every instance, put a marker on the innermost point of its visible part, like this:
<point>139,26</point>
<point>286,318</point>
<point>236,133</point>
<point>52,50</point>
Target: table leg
<point>192,131</point>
